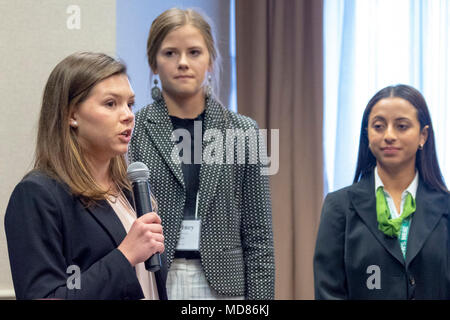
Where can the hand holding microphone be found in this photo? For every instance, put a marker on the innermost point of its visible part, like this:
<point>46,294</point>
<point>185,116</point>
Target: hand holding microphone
<point>145,240</point>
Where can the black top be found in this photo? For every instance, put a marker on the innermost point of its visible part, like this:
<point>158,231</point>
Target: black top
<point>189,165</point>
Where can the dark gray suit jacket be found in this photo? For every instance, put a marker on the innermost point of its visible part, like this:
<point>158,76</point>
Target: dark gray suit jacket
<point>350,248</point>
<point>48,229</point>
<point>236,244</point>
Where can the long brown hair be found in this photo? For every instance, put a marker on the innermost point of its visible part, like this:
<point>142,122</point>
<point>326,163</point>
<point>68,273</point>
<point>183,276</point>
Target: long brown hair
<point>58,152</point>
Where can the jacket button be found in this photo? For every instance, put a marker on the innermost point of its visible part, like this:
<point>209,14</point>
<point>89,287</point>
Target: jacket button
<point>412,281</point>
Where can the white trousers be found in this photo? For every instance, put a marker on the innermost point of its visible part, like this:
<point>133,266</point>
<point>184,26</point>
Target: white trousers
<point>186,281</point>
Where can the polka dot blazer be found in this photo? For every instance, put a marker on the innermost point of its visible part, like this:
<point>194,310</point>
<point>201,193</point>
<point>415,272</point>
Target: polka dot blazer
<point>236,242</point>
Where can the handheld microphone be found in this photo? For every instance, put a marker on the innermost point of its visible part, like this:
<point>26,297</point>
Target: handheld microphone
<point>138,174</point>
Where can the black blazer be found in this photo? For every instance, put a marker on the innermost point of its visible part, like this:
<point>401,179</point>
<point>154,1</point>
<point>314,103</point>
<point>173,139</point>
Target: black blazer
<point>351,252</point>
<point>48,229</point>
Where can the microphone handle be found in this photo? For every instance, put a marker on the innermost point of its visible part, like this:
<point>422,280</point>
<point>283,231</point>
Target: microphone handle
<point>143,205</point>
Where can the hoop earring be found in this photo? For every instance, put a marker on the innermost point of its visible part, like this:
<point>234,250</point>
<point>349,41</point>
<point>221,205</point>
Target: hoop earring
<point>156,92</point>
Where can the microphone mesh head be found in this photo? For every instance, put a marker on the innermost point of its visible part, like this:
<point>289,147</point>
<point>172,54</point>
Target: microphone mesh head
<point>137,171</point>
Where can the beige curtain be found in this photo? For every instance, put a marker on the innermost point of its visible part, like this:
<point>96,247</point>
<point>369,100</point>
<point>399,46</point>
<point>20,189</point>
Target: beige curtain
<point>280,85</point>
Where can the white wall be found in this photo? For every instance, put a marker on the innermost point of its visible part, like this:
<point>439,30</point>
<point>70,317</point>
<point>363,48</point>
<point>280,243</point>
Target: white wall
<point>34,37</point>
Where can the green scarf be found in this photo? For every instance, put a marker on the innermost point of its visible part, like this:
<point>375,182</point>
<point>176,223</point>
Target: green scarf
<point>391,227</point>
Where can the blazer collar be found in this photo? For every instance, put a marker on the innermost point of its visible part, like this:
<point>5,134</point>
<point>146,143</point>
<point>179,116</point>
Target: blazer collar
<point>159,129</point>
<point>106,217</point>
<point>158,113</point>
<point>216,121</point>
<point>430,206</point>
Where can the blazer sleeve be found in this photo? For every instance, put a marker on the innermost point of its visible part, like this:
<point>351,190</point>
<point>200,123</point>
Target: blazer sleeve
<point>329,268</point>
<point>256,233</point>
<point>36,237</point>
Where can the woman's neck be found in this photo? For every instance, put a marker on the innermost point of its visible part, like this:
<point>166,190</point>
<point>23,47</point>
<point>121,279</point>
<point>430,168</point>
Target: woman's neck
<point>396,180</point>
<point>185,107</point>
<point>101,173</point>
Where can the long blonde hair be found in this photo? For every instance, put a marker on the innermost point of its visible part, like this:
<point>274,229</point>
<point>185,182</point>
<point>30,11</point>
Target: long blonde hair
<point>58,152</point>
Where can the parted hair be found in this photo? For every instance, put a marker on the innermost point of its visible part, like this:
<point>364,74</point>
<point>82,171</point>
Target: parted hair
<point>174,18</point>
<point>58,151</point>
<point>426,160</point>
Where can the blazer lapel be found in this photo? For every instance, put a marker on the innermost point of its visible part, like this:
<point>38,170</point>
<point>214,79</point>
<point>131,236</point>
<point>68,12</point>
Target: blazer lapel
<point>430,206</point>
<point>159,128</point>
<point>215,122</point>
<point>114,227</point>
<point>105,215</point>
<point>362,196</point>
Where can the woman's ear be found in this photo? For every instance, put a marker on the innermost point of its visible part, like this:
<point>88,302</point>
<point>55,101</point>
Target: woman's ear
<point>211,67</point>
<point>154,70</point>
<point>424,135</point>
<point>73,119</point>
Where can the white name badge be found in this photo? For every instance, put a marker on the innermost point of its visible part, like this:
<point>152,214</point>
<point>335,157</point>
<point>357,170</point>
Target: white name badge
<point>189,235</point>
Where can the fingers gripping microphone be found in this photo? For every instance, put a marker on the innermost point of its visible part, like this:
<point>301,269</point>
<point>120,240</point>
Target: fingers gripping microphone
<point>138,174</point>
